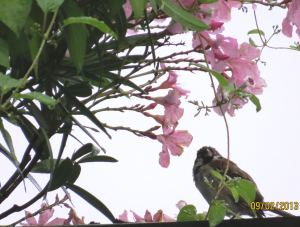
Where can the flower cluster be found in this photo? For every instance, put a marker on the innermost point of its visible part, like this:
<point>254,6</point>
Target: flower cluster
<point>159,216</point>
<point>173,140</point>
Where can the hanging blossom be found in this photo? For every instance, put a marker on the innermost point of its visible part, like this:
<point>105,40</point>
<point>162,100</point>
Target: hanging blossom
<point>226,55</point>
<point>292,18</point>
<point>172,140</point>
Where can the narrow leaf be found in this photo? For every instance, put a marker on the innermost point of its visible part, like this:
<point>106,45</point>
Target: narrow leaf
<point>61,174</point>
<point>256,102</point>
<point>49,5</point>
<point>91,21</point>
<point>222,81</point>
<point>83,109</point>
<point>91,200</point>
<point>44,166</point>
<point>99,158</point>
<point>8,140</point>
<point>51,165</point>
<point>138,7</point>
<point>182,17</point>
<point>85,149</point>
<point>75,174</point>
<point>45,99</point>
<point>252,42</point>
<point>256,31</point>
<point>207,1</point>
<point>75,34</point>
<point>7,83</point>
<point>153,5</point>
<point>4,53</point>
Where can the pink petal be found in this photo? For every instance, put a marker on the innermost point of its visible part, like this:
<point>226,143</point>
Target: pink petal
<point>124,216</point>
<point>164,158</point>
<point>287,28</point>
<point>148,216</point>
<point>31,221</point>
<point>167,218</point>
<point>57,221</point>
<point>45,215</point>
<point>181,204</point>
<point>137,217</point>
<point>158,217</point>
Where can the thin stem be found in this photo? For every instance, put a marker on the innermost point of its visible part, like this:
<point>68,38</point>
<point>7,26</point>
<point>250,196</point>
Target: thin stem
<point>224,117</point>
<point>35,61</point>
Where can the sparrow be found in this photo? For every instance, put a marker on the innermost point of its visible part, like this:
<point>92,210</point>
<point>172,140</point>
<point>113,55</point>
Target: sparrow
<point>208,158</point>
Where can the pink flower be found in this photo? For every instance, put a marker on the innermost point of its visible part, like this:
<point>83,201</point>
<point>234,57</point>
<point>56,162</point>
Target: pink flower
<point>158,217</point>
<point>44,218</point>
<point>173,142</point>
<point>171,82</point>
<point>292,18</point>
<point>124,216</point>
<point>127,8</point>
<point>181,204</point>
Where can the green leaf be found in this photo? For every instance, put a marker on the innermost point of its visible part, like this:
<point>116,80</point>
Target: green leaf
<point>207,1</point>
<point>114,6</point>
<point>182,17</point>
<point>75,174</point>
<point>7,154</point>
<point>235,194</point>
<point>247,190</point>
<point>99,158</point>
<point>86,132</point>
<point>34,39</point>
<point>252,42</point>
<point>75,34</point>
<point>44,166</point>
<point>216,214</point>
<point>61,174</point>
<point>153,5</point>
<point>91,200</point>
<point>81,89</point>
<point>49,5</point>
<point>121,25</point>
<point>222,81</point>
<point>4,53</point>
<point>187,213</point>
<point>91,21</point>
<point>138,7</point>
<point>84,110</point>
<point>85,149</point>
<point>50,153</point>
<point>13,14</point>
<point>125,81</point>
<point>256,31</point>
<point>7,83</point>
<point>45,99</point>
<point>8,140</point>
<point>256,102</point>
<point>217,174</point>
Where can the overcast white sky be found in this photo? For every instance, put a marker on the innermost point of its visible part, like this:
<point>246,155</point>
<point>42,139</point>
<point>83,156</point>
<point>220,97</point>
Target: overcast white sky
<point>264,144</point>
